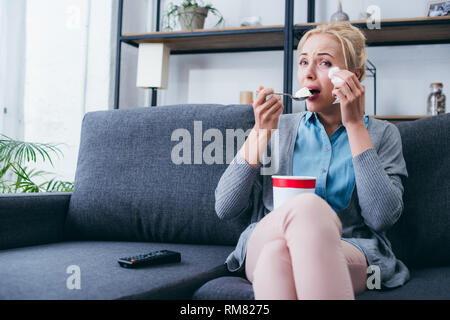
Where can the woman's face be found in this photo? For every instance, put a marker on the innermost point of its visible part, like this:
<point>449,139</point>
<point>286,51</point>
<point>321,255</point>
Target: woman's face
<point>319,54</point>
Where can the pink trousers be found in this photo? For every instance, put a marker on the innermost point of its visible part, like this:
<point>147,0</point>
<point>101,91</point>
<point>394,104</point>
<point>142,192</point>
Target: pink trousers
<point>296,252</point>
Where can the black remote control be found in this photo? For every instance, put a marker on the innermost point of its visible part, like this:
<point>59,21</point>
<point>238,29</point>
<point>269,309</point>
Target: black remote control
<point>152,258</point>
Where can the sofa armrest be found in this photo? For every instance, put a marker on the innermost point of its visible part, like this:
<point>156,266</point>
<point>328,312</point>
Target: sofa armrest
<point>32,219</point>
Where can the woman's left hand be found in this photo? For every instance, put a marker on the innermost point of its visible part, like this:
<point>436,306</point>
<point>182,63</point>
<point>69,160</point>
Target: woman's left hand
<point>351,94</point>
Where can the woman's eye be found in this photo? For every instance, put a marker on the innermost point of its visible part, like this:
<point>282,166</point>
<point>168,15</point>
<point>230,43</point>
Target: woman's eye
<point>328,64</point>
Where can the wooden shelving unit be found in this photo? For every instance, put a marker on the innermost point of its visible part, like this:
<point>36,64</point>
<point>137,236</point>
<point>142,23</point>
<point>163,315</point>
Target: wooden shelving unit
<point>215,40</point>
<point>183,43</point>
<point>392,32</point>
<point>431,30</point>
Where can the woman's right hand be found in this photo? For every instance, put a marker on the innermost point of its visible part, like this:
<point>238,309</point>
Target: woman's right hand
<point>267,112</point>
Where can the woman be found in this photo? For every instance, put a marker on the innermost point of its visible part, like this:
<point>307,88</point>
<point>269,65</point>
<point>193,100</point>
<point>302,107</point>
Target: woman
<point>319,246</point>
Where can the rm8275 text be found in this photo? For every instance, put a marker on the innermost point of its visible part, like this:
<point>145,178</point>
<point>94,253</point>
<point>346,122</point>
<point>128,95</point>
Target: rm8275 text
<point>242,309</point>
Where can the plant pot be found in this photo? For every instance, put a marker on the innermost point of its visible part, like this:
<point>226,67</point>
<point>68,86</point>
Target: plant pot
<point>192,18</point>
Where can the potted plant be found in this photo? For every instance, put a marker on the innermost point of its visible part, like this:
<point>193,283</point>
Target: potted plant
<point>191,14</point>
<point>15,177</point>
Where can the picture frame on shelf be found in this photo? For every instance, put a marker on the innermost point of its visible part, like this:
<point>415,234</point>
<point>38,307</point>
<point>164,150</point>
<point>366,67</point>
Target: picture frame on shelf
<point>438,8</point>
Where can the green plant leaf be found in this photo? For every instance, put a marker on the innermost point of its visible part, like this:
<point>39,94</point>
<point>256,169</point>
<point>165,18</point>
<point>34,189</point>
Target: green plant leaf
<point>24,181</point>
<point>19,151</point>
<point>5,169</point>
<point>13,155</point>
<point>58,186</point>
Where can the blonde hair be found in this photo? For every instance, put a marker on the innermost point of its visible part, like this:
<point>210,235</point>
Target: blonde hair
<point>352,40</point>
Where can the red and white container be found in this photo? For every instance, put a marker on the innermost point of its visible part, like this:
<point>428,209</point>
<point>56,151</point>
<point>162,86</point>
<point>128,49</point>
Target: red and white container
<point>287,187</point>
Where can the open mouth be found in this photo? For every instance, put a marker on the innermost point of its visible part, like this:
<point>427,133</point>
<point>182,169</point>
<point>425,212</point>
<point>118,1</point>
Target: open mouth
<point>314,91</point>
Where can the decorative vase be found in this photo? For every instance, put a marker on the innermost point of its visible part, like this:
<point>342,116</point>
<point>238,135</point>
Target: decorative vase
<point>192,18</point>
<point>339,15</point>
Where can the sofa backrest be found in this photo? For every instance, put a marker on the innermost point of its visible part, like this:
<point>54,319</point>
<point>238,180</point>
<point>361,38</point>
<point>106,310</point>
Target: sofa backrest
<point>421,237</point>
<point>128,185</point>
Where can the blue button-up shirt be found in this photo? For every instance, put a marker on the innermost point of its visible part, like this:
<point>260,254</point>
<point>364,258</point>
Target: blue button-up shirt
<point>327,159</point>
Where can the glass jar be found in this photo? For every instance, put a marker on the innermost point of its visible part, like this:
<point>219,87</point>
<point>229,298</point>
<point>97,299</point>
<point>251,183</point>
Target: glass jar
<point>436,100</point>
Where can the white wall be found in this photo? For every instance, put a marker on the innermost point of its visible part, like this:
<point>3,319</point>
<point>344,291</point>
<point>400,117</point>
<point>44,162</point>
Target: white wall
<point>69,71</point>
<point>100,54</point>
<point>137,18</point>
<point>12,51</point>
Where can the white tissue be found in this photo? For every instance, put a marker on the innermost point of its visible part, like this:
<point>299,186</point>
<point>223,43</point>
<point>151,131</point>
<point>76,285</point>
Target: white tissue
<point>335,80</point>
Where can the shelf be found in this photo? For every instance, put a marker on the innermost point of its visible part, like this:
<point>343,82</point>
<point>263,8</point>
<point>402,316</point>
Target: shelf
<point>261,38</point>
<point>396,119</point>
<point>427,30</point>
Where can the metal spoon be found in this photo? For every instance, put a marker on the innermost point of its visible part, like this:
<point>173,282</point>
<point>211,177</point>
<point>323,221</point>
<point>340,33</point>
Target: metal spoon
<point>296,98</point>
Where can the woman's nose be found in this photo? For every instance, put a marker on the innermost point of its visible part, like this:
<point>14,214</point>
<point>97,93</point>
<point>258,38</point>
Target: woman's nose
<point>309,72</point>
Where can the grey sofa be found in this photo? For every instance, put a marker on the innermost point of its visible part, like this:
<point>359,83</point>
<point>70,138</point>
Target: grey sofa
<point>132,197</point>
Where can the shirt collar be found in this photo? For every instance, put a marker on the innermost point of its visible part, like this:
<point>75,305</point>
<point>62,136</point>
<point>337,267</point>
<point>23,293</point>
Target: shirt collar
<point>313,116</point>
<point>310,114</point>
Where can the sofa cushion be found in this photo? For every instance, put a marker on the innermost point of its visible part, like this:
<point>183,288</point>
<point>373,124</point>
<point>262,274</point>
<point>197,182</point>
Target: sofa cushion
<point>40,272</point>
<point>225,288</point>
<point>421,237</point>
<point>28,219</point>
<point>425,284</point>
<point>129,187</point>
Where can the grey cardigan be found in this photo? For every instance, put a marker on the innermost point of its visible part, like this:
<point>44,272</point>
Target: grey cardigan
<point>375,205</point>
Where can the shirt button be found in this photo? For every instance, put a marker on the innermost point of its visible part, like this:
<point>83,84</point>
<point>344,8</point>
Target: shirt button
<point>328,149</point>
<point>324,170</point>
